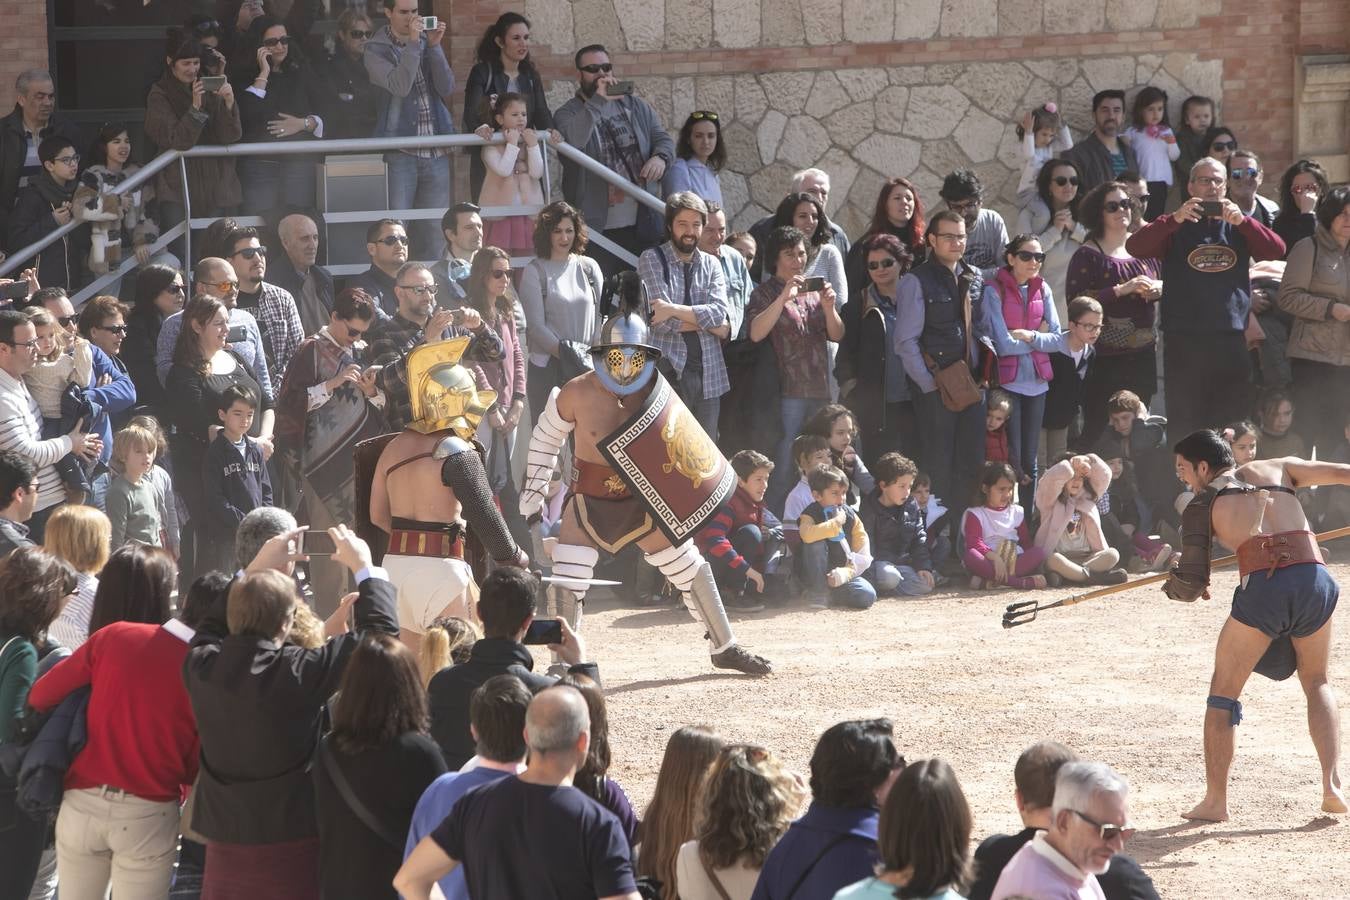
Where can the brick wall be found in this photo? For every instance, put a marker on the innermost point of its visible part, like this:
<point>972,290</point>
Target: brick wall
<point>23,44</point>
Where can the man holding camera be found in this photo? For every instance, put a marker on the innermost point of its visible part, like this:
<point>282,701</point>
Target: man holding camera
<point>1207,247</point>
<point>622,131</point>
<point>413,85</point>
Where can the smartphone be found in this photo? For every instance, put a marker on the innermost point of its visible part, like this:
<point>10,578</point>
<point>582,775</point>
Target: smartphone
<point>619,89</point>
<point>213,83</point>
<point>237,334</point>
<point>316,543</point>
<point>814,283</point>
<point>1211,208</point>
<point>544,631</point>
<point>15,290</point>
<point>429,23</point>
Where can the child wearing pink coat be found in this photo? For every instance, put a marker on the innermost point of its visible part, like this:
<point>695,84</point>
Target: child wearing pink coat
<point>514,169</point>
<point>1071,525</point>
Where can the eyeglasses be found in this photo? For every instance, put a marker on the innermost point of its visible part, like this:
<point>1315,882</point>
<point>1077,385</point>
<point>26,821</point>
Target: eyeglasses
<point>597,68</point>
<point>874,264</point>
<point>393,240</point>
<point>115,329</point>
<point>703,115</point>
<point>1209,181</point>
<point>1115,206</point>
<point>225,287</point>
<point>359,34</point>
<point>67,321</point>
<point>27,345</point>
<point>1105,831</point>
<point>1088,326</point>
<point>1028,256</point>
<point>500,273</point>
<point>965,205</point>
<point>250,252</point>
<point>426,290</point>
<point>1061,180</point>
<point>1241,174</point>
<point>1223,145</point>
<point>32,488</point>
<point>951,238</point>
<point>71,159</point>
<point>283,41</point>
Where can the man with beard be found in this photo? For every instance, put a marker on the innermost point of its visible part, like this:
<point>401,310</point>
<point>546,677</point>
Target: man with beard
<point>688,294</point>
<point>624,133</point>
<point>1102,156</point>
<point>986,232</point>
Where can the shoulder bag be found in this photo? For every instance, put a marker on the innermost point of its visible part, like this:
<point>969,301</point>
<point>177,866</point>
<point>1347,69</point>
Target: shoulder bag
<point>955,383</point>
<point>344,789</point>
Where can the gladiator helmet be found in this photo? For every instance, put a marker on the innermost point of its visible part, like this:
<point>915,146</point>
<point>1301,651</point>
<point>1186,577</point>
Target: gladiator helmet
<point>625,359</point>
<point>443,392</point>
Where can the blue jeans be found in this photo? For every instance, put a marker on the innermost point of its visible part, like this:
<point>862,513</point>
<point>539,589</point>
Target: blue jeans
<point>282,183</point>
<point>418,183</point>
<point>1024,434</point>
<point>707,412</point>
<point>856,593</point>
<point>795,411</point>
<point>892,579</point>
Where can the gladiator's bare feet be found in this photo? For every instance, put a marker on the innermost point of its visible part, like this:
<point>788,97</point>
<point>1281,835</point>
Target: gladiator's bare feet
<point>1333,801</point>
<point>1208,811</point>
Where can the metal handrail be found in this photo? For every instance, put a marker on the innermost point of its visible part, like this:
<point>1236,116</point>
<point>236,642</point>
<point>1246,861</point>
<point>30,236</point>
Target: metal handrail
<point>324,147</point>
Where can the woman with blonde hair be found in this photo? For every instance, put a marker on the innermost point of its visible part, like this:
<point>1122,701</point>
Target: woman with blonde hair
<point>669,819</point>
<point>749,800</point>
<point>446,643</point>
<point>80,535</point>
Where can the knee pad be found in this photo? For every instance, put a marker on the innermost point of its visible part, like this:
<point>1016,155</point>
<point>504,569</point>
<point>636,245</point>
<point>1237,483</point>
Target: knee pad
<point>678,564</point>
<point>574,561</point>
<point>1232,707</point>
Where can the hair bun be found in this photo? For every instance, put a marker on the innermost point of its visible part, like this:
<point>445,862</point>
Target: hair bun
<point>1051,108</point>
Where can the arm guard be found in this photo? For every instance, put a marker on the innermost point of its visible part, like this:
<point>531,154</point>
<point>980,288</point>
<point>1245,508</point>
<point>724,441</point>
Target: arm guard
<point>548,437</point>
<point>463,473</point>
<point>1189,578</point>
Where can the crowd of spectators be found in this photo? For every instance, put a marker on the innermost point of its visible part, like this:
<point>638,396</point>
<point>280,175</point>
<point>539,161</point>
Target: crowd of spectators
<point>940,398</point>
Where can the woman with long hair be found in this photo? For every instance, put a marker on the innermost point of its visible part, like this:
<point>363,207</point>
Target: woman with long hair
<point>279,100</point>
<point>1301,186</point>
<point>670,817</point>
<point>160,292</point>
<point>699,155</point>
<point>79,536</point>
<point>35,585</point>
<point>107,166</point>
<point>446,642</point>
<point>1052,216</point>
<point>502,64</point>
<point>749,800</point>
<point>136,584</point>
<point>378,757</point>
<point>899,212</point>
<point>592,778</point>
<point>805,213</point>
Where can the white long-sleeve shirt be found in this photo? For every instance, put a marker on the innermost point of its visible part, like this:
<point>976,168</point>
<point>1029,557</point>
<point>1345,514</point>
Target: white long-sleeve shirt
<point>1155,155</point>
<point>21,431</point>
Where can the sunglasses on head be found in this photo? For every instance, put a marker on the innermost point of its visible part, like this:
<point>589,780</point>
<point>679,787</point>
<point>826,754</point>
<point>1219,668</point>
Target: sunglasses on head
<point>1223,145</point>
<point>250,252</point>
<point>1028,256</point>
<point>597,68</point>
<point>1115,206</point>
<point>391,240</point>
<point>874,264</point>
<point>360,34</point>
<point>703,115</point>
<point>283,41</point>
<point>1061,180</point>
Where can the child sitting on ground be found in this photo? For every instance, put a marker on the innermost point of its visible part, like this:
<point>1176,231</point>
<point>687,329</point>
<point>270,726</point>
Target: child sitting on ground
<point>235,474</point>
<point>63,366</point>
<point>999,550</point>
<point>809,451</point>
<point>1277,437</point>
<point>134,498</point>
<point>835,549</point>
<point>1071,526</point>
<point>836,424</point>
<point>895,527</point>
<point>743,539</point>
<point>934,519</point>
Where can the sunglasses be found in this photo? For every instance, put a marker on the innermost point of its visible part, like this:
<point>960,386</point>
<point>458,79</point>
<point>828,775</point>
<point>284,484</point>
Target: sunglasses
<point>359,34</point>
<point>1107,832</point>
<point>597,68</point>
<point>115,329</point>
<point>393,240</point>
<point>355,332</point>
<point>176,288</point>
<point>225,287</point>
<point>1243,174</point>
<point>874,264</point>
<point>1028,256</point>
<point>1061,180</point>
<point>283,41</point>
<point>67,321</point>
<point>500,273</point>
<point>1115,206</point>
<point>211,26</point>
<point>250,252</point>
<point>1223,145</point>
<point>426,290</point>
<point>701,115</point>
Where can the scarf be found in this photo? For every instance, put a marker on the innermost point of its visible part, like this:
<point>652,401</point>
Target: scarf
<point>52,192</point>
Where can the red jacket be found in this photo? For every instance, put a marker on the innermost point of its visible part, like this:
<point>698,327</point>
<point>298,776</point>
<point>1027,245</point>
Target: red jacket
<point>996,445</point>
<point>142,733</point>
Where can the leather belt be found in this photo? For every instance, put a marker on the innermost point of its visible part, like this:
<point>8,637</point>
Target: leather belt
<point>1269,552</point>
<point>598,480</point>
<point>435,544</point>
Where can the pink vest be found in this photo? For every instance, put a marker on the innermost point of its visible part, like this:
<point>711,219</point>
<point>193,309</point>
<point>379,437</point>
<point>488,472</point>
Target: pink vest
<point>1015,315</point>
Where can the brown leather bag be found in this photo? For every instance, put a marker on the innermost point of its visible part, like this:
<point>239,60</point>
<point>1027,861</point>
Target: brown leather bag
<point>956,385</point>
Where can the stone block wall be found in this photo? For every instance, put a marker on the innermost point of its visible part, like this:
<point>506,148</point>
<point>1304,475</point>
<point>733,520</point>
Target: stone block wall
<point>23,44</point>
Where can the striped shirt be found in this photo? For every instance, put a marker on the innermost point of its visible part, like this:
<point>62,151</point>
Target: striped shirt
<point>21,431</point>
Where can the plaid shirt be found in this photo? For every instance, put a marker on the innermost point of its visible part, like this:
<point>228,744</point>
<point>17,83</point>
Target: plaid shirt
<point>279,322</point>
<point>706,293</point>
<point>393,339</point>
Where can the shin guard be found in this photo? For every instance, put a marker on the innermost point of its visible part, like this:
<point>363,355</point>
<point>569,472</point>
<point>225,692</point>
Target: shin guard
<point>692,576</point>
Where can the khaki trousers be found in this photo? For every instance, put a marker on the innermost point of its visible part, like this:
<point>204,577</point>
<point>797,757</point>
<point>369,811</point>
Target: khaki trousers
<point>105,837</point>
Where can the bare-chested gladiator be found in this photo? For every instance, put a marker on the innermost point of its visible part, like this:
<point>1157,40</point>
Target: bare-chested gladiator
<point>603,511</point>
<point>1281,616</point>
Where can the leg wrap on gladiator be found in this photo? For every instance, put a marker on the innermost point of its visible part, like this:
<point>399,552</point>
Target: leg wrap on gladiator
<point>549,435</point>
<point>1232,707</point>
<point>692,576</point>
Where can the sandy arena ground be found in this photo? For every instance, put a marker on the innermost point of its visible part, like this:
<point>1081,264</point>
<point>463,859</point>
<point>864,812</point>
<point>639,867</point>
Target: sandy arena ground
<point>1121,679</point>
